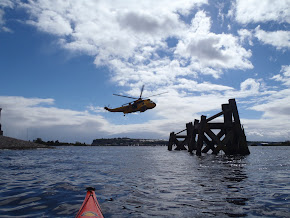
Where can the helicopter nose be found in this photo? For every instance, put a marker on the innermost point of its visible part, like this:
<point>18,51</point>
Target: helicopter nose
<point>153,105</point>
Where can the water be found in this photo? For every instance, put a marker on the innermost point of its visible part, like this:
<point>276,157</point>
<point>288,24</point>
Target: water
<point>144,182</point>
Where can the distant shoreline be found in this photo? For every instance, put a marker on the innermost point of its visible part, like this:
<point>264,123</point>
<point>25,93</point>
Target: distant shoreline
<point>17,144</point>
<point>258,143</point>
<point>108,142</point>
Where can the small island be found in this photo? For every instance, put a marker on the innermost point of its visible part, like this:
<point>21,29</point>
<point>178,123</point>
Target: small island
<point>128,142</point>
<point>264,143</point>
<point>107,142</point>
<point>17,144</point>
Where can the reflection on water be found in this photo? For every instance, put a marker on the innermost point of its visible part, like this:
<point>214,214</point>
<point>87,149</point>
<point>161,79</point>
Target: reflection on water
<point>145,181</point>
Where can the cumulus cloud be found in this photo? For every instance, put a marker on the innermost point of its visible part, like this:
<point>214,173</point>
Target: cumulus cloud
<point>4,5</point>
<point>246,36</point>
<point>37,117</point>
<point>193,86</point>
<point>254,11</point>
<point>130,38</point>
<point>275,109</point>
<point>280,39</point>
<point>284,77</point>
<point>52,22</point>
<point>274,106</point>
<point>267,129</point>
<point>209,52</point>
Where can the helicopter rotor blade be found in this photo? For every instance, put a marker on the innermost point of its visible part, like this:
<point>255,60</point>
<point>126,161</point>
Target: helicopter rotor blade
<point>125,96</point>
<point>142,91</point>
<point>156,94</point>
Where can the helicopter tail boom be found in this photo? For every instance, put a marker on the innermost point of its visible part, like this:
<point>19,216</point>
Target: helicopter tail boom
<point>114,109</point>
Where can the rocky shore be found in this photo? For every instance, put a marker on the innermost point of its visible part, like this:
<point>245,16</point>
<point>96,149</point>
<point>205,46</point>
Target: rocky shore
<point>16,144</point>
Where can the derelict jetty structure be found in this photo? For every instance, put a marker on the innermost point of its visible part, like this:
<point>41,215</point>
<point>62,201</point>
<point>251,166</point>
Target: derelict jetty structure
<point>230,137</point>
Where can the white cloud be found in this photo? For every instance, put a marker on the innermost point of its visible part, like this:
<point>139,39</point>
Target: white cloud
<point>254,11</point>
<point>6,3</point>
<point>279,39</point>
<point>52,22</point>
<point>210,52</point>
<point>107,24</point>
<point>271,129</point>
<point>250,85</point>
<point>34,116</point>
<point>284,77</point>
<point>3,5</point>
<point>2,21</point>
<point>275,108</point>
<point>130,38</point>
<point>193,86</point>
<point>246,35</point>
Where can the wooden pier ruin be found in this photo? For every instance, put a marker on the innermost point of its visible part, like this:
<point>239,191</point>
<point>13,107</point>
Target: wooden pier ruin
<point>230,137</point>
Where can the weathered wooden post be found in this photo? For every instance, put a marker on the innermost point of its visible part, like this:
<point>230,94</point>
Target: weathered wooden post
<point>201,136</point>
<point>189,134</point>
<point>228,126</point>
<point>171,141</point>
<point>1,132</point>
<point>240,137</point>
<point>191,140</point>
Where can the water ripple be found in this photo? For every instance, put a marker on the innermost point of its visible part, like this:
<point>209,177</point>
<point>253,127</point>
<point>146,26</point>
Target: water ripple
<point>145,181</point>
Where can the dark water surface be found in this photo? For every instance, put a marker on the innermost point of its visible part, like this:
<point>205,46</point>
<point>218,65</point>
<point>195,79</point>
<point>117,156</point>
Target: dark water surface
<point>144,182</point>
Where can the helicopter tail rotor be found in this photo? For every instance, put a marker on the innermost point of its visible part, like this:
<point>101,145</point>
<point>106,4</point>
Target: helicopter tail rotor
<point>142,89</point>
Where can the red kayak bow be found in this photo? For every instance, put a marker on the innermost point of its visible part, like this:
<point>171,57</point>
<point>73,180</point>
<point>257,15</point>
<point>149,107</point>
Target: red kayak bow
<point>90,207</point>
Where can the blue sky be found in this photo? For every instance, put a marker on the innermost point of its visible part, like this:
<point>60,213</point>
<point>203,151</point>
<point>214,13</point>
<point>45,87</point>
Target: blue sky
<point>61,61</point>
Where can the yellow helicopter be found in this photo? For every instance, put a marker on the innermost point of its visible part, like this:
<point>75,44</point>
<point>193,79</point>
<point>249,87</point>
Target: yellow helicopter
<point>138,105</point>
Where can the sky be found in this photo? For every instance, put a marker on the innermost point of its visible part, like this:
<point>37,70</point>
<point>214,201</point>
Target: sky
<point>62,61</point>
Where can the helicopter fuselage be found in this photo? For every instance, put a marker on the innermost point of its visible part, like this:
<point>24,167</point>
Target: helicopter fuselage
<point>138,105</point>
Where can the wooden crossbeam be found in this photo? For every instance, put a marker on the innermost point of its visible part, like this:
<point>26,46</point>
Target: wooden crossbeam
<point>219,125</point>
<point>181,131</point>
<point>221,133</point>
<point>210,145</point>
<point>214,116</point>
<point>215,139</point>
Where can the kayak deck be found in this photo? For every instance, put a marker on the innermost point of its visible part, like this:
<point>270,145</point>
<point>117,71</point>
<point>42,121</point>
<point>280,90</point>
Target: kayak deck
<point>90,206</point>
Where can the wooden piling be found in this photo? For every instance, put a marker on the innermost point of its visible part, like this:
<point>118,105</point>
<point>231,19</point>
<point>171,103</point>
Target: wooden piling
<point>200,135</point>
<point>171,141</point>
<point>230,139</point>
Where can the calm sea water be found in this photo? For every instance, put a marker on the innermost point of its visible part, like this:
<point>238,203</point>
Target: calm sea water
<point>144,182</point>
